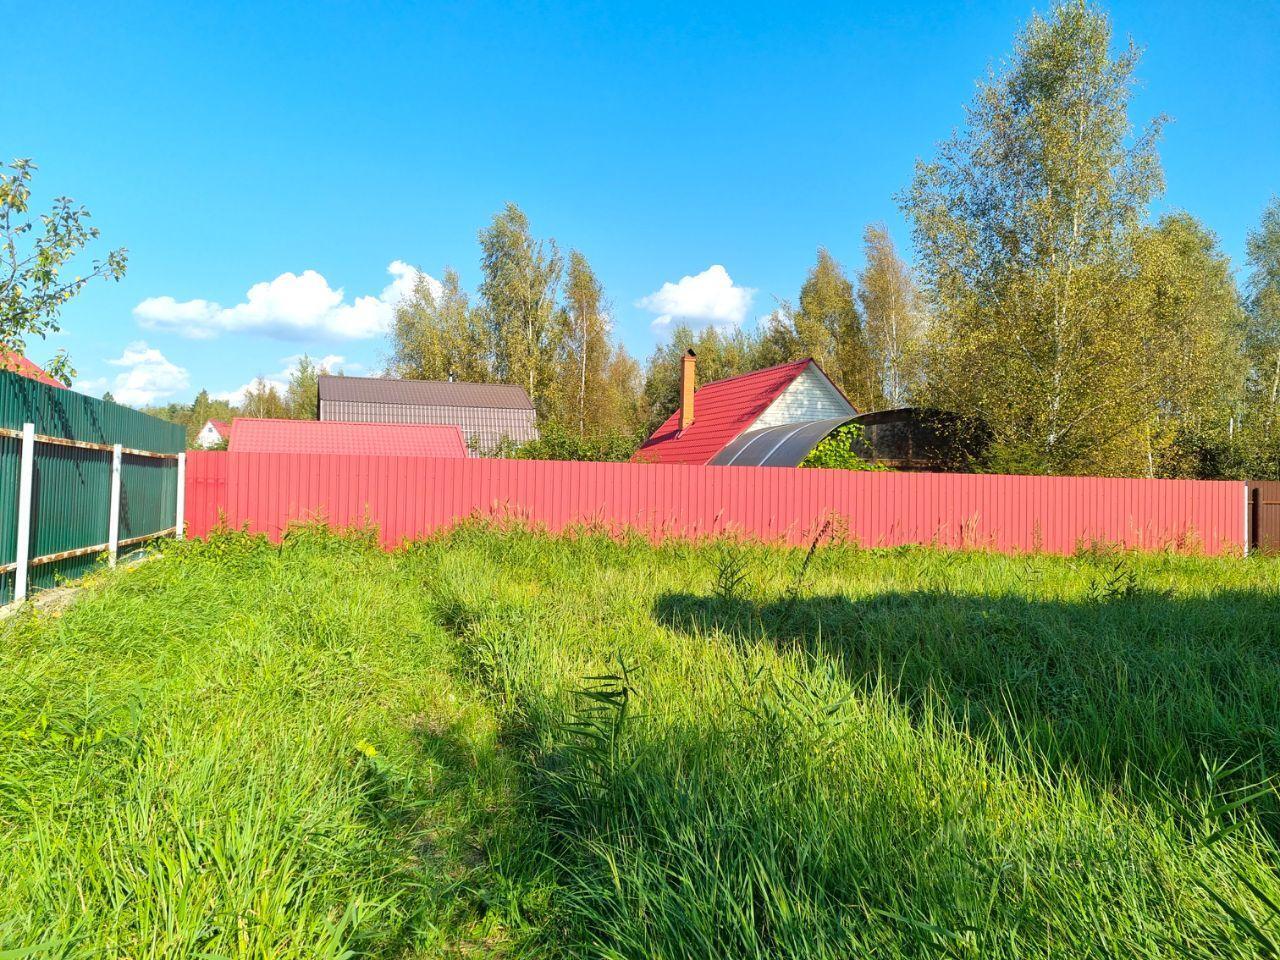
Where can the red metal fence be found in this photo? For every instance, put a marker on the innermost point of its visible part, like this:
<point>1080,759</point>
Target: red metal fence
<point>411,497</point>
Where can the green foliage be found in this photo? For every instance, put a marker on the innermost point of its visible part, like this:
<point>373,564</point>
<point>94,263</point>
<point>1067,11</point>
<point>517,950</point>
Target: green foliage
<point>505,743</point>
<point>519,292</point>
<point>894,319</point>
<point>33,287</point>
<point>302,398</point>
<point>438,335</point>
<point>720,355</point>
<point>1025,226</point>
<point>1186,290</point>
<point>838,450</point>
<point>1258,442</point>
<point>826,326</point>
<point>1262,330</point>
<point>528,328</point>
<point>556,442</point>
<point>263,399</point>
<point>830,330</point>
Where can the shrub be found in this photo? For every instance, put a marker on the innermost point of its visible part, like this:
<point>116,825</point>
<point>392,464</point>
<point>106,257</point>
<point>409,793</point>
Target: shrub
<point>836,451</point>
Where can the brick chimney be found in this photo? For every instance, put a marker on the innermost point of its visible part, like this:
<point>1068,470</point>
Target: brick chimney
<point>688,384</point>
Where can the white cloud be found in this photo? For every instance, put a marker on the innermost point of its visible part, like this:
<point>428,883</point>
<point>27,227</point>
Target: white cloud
<point>93,388</point>
<point>149,377</point>
<point>280,379</point>
<point>290,307</point>
<point>709,298</point>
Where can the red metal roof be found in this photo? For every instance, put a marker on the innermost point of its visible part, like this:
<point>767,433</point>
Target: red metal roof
<point>25,368</point>
<point>721,411</point>
<point>223,428</point>
<point>251,435</point>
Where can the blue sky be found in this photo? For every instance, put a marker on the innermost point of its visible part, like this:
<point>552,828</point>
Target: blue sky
<point>229,145</point>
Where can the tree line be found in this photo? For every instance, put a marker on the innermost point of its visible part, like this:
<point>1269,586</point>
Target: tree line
<point>298,401</point>
<point>541,320</point>
<point>1046,301</point>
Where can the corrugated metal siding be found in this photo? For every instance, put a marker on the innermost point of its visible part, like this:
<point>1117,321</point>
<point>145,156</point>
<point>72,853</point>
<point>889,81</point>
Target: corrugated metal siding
<point>71,487</point>
<point>484,427</point>
<point>1264,516</point>
<point>206,501</point>
<point>809,397</point>
<point>437,393</point>
<point>411,497</point>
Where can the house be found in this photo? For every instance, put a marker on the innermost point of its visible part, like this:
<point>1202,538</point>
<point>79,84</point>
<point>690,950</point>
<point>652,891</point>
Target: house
<point>485,412</point>
<point>213,433</point>
<point>253,435</point>
<point>16,363</point>
<point>770,417</point>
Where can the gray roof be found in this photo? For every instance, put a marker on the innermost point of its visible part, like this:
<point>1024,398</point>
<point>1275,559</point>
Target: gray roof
<point>785,445</point>
<point>435,393</point>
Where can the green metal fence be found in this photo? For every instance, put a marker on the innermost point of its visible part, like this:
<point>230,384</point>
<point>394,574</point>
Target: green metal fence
<point>71,482</point>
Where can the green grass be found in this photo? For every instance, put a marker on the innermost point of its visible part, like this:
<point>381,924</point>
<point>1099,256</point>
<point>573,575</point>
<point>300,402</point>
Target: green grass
<point>500,744</point>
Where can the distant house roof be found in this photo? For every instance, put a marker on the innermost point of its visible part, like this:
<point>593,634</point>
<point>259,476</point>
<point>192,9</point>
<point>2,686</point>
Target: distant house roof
<point>722,410</point>
<point>25,368</point>
<point>250,435</point>
<point>433,393</point>
<point>222,427</point>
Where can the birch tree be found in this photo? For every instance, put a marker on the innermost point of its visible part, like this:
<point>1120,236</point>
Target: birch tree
<point>437,334</point>
<point>892,317</point>
<point>302,396</point>
<point>1024,226</point>
<point>1262,330</point>
<point>519,301</point>
<point>584,345</point>
<point>829,329</point>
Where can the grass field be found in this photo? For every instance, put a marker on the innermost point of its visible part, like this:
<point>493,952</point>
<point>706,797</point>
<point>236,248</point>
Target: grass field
<point>499,744</point>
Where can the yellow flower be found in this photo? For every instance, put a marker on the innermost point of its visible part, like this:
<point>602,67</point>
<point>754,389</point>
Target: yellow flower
<point>367,748</point>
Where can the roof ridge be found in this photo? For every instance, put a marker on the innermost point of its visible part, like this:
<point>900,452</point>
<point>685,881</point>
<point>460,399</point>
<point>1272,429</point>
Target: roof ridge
<point>447,393</point>
<point>442,383</point>
<point>751,373</point>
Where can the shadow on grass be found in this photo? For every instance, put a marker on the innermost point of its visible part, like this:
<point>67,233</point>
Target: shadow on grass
<point>459,857</point>
<point>1130,691</point>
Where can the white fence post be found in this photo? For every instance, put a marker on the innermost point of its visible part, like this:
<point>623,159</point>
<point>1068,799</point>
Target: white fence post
<point>113,523</point>
<point>180,516</point>
<point>25,471</point>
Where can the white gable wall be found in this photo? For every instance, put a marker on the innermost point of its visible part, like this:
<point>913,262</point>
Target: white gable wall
<point>208,436</point>
<point>811,396</point>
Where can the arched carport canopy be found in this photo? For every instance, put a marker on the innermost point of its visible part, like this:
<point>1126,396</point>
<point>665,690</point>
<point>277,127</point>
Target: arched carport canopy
<point>785,445</point>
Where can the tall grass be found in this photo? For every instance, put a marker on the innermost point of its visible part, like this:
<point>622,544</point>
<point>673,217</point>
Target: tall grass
<point>500,743</point>
<point>243,751</point>
<point>904,753</point>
